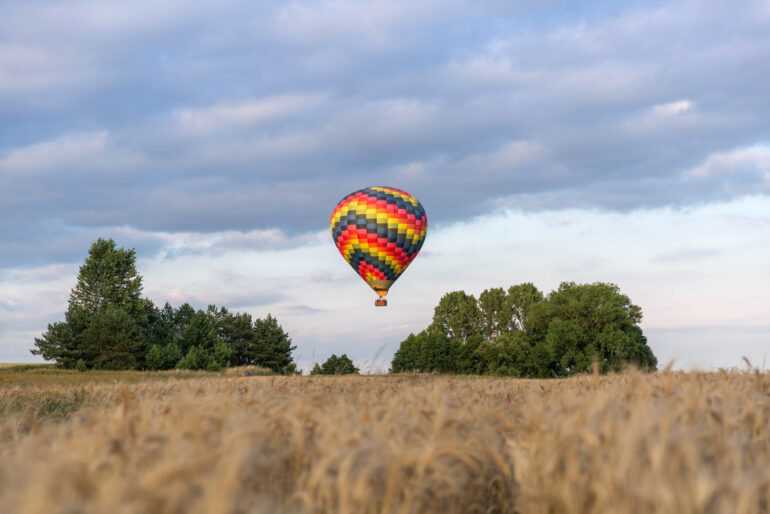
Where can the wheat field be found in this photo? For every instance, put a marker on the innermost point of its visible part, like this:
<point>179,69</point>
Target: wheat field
<point>666,442</point>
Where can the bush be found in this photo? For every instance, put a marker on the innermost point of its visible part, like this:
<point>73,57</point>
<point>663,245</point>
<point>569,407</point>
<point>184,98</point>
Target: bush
<point>213,366</point>
<point>334,365</point>
<point>81,365</point>
<point>154,358</point>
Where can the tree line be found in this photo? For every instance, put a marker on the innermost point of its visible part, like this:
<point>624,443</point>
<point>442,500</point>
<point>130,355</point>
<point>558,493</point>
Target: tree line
<point>108,325</point>
<point>522,332</point>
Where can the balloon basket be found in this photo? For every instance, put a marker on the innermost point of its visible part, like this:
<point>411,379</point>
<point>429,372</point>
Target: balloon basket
<point>380,302</point>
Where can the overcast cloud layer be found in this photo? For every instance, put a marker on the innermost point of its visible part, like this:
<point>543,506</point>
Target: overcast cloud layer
<point>178,127</point>
<point>168,116</point>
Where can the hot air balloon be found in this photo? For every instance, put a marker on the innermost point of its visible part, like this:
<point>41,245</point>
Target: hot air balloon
<point>379,231</point>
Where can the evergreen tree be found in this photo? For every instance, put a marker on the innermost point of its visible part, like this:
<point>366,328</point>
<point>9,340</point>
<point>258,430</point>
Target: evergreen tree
<point>194,359</point>
<point>154,358</point>
<point>270,346</point>
<point>108,278</point>
<point>171,354</point>
<point>107,295</point>
<point>58,344</point>
<point>159,327</point>
<point>200,331</point>
<point>109,325</point>
<point>113,340</point>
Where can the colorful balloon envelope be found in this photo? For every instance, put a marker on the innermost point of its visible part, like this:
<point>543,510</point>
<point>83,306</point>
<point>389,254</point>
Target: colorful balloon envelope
<point>379,231</point>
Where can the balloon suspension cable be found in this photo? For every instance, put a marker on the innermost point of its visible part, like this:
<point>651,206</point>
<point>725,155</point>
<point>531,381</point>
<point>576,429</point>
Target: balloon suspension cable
<point>380,302</point>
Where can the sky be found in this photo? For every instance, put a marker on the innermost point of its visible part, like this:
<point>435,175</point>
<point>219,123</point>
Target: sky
<point>549,141</point>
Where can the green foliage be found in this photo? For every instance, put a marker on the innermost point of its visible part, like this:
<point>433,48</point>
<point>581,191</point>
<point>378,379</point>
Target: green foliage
<point>171,354</point>
<point>213,365</point>
<point>521,298</point>
<point>109,326</point>
<point>270,347</point>
<point>495,316</point>
<point>194,359</point>
<point>457,316</point>
<point>107,278</point>
<point>154,358</point>
<point>334,365</point>
<point>58,344</point>
<point>103,315</point>
<point>429,350</point>
<point>523,333</point>
<point>583,322</point>
<point>405,358</point>
<point>222,354</point>
<point>467,359</point>
<point>112,340</point>
<point>437,352</point>
<point>81,365</point>
<point>199,331</point>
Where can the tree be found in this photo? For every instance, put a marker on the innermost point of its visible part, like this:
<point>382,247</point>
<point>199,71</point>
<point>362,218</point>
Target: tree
<point>237,330</point>
<point>430,350</point>
<point>171,355</point>
<point>522,333</point>
<point>200,331</point>
<point>495,313</point>
<point>154,358</point>
<point>521,298</point>
<point>159,327</point>
<point>405,358</point>
<point>467,359</point>
<point>109,325</point>
<point>582,322</point>
<point>194,359</point>
<point>107,296</point>
<point>270,346</point>
<point>457,316</point>
<point>182,317</point>
<point>438,352</point>
<point>334,365</point>
<point>222,354</point>
<point>59,344</point>
<point>108,277</point>
<point>515,354</point>
<point>113,340</point>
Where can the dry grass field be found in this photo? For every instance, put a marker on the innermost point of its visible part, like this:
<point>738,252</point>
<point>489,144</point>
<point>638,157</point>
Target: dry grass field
<point>668,442</point>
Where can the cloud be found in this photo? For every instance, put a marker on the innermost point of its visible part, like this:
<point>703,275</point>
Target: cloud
<point>753,161</point>
<point>687,254</point>
<point>240,115</point>
<point>253,118</point>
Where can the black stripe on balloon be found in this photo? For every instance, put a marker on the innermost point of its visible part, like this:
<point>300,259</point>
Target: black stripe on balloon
<point>360,255</point>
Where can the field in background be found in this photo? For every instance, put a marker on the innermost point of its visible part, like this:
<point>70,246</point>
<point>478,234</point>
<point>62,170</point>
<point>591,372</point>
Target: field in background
<point>49,374</point>
<point>667,442</point>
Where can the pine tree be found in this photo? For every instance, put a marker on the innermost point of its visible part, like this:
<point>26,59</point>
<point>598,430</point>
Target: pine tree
<point>271,347</point>
<point>104,313</point>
